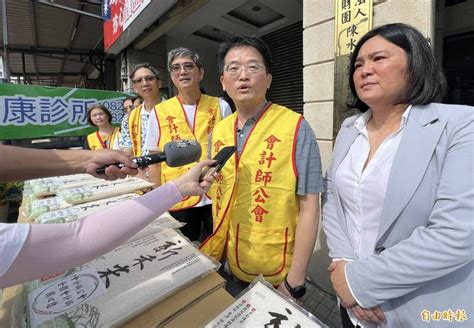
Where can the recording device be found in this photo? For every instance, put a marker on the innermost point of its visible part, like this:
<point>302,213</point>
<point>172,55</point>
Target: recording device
<point>175,153</point>
<point>220,159</point>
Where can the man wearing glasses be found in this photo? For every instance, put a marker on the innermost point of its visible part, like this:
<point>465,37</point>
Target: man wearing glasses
<point>266,203</point>
<point>147,84</point>
<point>189,115</point>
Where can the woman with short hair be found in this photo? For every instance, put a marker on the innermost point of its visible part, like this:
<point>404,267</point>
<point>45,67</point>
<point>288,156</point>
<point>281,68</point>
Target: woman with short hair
<point>399,198</point>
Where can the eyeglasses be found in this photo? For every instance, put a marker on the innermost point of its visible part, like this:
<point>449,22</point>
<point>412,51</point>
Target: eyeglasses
<point>129,107</point>
<point>141,80</point>
<point>187,67</point>
<point>235,69</point>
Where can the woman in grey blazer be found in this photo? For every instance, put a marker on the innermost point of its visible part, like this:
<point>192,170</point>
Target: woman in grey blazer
<point>399,202</point>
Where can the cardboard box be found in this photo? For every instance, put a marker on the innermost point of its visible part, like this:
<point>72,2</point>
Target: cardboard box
<point>7,303</point>
<point>193,306</point>
<point>202,312</point>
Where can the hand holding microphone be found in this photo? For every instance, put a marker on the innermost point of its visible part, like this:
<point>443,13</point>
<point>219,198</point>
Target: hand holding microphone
<point>178,153</point>
<point>220,159</point>
<point>175,153</point>
<point>98,158</point>
<point>190,183</point>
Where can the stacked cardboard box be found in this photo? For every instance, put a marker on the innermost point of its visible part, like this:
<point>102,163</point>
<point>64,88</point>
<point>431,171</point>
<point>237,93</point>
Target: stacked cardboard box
<point>190,307</point>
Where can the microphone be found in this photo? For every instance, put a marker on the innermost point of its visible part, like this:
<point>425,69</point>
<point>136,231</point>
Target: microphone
<point>175,153</point>
<point>220,159</point>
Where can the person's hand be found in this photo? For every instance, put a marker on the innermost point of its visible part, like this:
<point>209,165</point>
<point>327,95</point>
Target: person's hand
<point>339,283</point>
<point>293,280</point>
<point>374,315</point>
<point>282,288</point>
<point>189,185</point>
<point>99,158</point>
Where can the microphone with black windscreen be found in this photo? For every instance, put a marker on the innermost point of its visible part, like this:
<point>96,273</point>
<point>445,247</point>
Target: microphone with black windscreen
<point>175,153</point>
<point>220,159</point>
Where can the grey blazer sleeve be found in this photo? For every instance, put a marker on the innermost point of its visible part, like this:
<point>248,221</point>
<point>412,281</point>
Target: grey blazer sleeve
<point>435,249</point>
<point>337,239</point>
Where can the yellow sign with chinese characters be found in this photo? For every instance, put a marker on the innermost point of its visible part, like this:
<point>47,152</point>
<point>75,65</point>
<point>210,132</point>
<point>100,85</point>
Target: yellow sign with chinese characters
<point>353,20</point>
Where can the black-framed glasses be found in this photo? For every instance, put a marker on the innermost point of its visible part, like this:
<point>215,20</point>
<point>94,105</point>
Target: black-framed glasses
<point>187,67</point>
<point>141,80</point>
<point>129,107</point>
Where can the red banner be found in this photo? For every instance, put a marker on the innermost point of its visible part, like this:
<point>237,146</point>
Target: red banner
<point>113,27</point>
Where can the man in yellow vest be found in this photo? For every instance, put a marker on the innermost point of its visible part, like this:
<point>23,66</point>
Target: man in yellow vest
<point>189,115</point>
<point>146,82</point>
<point>266,202</point>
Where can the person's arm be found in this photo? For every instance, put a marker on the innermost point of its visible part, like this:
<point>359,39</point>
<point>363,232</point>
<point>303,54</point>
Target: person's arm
<point>25,163</point>
<point>308,164</point>
<point>337,239</point>
<point>81,241</point>
<point>305,238</point>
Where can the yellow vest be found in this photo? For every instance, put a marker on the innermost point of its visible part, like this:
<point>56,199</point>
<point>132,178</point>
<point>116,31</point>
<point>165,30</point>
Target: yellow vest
<point>95,141</point>
<point>254,202</point>
<point>173,125</point>
<point>135,128</point>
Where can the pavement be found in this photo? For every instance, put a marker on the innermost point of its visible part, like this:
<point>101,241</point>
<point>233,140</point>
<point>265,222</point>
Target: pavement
<point>322,305</point>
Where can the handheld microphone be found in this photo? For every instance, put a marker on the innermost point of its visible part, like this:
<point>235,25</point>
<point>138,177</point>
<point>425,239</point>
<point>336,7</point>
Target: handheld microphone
<point>175,153</point>
<point>220,159</point>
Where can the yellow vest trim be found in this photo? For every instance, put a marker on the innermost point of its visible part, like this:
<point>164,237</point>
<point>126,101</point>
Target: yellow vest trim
<point>255,206</point>
<point>135,128</point>
<point>95,141</point>
<point>173,125</point>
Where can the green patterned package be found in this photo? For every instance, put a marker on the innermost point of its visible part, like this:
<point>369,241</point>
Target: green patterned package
<point>103,189</point>
<point>39,206</point>
<point>76,212</point>
<point>52,187</point>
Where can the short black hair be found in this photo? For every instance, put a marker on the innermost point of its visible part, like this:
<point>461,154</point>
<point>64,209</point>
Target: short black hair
<point>235,41</point>
<point>128,98</point>
<point>426,82</point>
<point>100,106</point>
<point>140,99</point>
<point>155,72</point>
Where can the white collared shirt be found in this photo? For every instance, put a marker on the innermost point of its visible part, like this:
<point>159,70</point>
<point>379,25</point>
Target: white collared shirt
<point>362,191</point>
<point>125,142</point>
<point>153,132</point>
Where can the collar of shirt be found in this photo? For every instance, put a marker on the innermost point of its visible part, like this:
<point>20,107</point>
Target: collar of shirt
<point>144,111</point>
<point>254,118</point>
<point>361,122</point>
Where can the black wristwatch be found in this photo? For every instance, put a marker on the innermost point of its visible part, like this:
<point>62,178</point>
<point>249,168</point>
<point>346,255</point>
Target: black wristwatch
<point>296,292</point>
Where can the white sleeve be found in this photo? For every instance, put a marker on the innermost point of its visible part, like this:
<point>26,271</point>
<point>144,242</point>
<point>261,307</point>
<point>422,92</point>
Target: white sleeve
<point>225,108</point>
<point>12,238</point>
<point>153,134</point>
